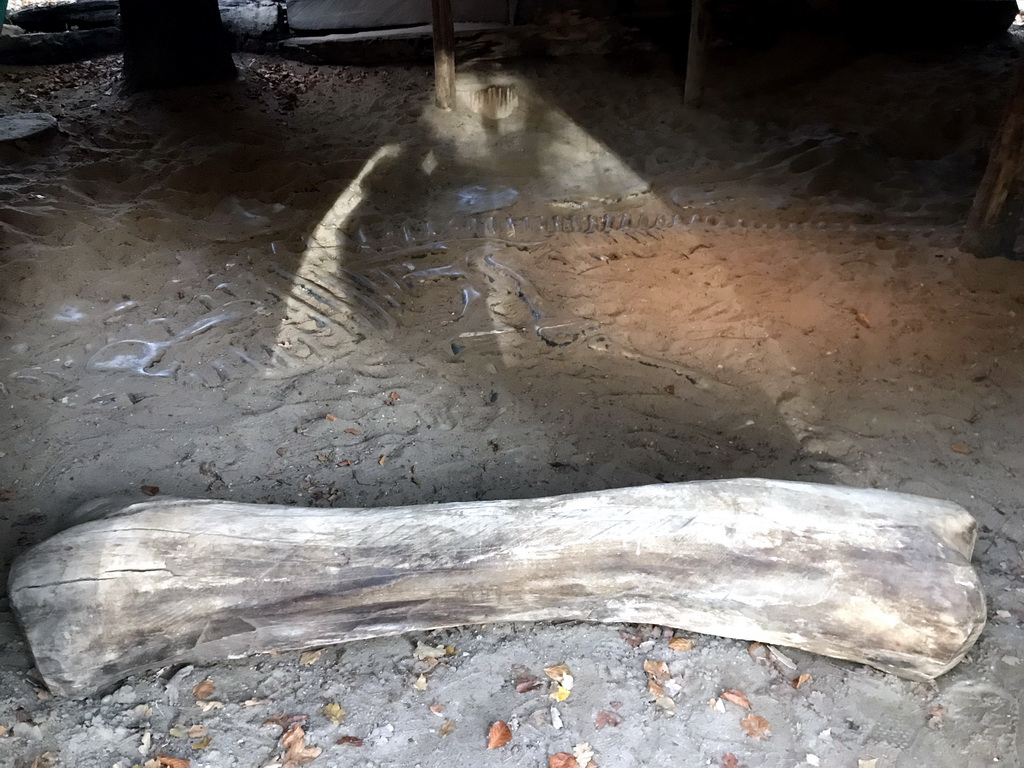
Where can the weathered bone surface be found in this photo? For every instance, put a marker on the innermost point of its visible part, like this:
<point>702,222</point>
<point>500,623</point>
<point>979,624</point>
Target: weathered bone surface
<point>870,576</point>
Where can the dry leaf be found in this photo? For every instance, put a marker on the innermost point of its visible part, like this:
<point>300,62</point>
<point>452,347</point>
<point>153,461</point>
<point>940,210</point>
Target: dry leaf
<point>562,760</point>
<point>173,762</point>
<point>351,741</point>
<point>756,726</point>
<point>557,672</point>
<point>345,463</point>
<point>382,459</point>
<point>295,750</point>
<point>583,752</point>
<point>657,670</point>
<point>437,708</point>
<point>667,704</point>
<point>527,684</point>
<point>150,490</point>
<point>606,719</point>
<point>45,760</point>
<point>310,657</point>
<point>753,649</point>
<point>862,319</point>
<point>871,762</point>
<point>255,702</point>
<point>424,651</point>
<point>351,431</point>
<point>334,712</point>
<point>654,688</point>
<point>284,722</point>
<point>394,396</point>
<point>204,690</point>
<point>633,639</point>
<point>206,706</point>
<point>960,448</point>
<point>447,727</point>
<point>682,644</point>
<point>736,697</point>
<point>729,760</point>
<point>197,731</point>
<point>801,681</point>
<point>499,735</point>
<point>331,417</point>
<point>203,743</point>
<point>420,684</point>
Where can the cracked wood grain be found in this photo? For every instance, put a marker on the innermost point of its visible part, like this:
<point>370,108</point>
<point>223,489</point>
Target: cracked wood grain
<point>870,576</point>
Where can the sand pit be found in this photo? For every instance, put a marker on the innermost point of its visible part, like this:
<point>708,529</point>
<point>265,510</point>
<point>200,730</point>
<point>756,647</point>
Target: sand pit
<point>312,288</point>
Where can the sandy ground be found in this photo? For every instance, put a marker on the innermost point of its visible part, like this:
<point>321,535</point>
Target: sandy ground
<point>599,289</point>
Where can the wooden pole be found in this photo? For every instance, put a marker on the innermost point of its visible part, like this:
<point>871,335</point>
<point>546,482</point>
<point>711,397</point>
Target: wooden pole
<point>444,53</point>
<point>696,54</point>
<point>995,217</point>
<point>871,576</point>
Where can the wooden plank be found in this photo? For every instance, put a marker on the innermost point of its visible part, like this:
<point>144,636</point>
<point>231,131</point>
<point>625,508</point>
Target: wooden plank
<point>995,216</point>
<point>696,54</point>
<point>444,53</point>
<point>865,575</point>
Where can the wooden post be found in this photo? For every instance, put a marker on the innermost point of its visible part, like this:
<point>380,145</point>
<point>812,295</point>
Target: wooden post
<point>444,53</point>
<point>696,54</point>
<point>995,217</point>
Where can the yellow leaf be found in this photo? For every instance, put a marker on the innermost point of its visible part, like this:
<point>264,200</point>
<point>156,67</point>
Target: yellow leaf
<point>310,657</point>
<point>561,694</point>
<point>334,712</point>
<point>203,743</point>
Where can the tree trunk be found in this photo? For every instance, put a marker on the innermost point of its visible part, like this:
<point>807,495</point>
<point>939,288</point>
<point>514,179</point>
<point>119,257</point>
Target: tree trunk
<point>995,217</point>
<point>170,44</point>
<point>871,576</point>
